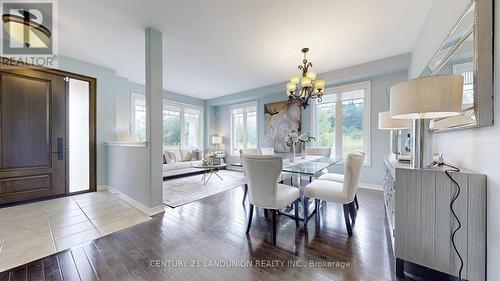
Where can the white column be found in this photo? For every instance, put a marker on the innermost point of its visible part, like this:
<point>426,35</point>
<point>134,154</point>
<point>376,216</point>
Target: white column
<point>154,117</point>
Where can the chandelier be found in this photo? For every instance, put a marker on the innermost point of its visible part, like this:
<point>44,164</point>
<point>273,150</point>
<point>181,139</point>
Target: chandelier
<point>309,87</point>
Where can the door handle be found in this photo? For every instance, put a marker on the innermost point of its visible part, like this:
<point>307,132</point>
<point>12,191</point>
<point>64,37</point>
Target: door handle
<point>60,149</point>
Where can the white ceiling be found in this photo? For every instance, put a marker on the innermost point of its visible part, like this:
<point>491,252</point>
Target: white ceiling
<point>218,47</point>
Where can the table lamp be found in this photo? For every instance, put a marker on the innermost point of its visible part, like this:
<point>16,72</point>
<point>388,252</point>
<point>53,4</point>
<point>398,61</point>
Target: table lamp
<point>217,140</point>
<point>385,122</point>
<point>426,98</point>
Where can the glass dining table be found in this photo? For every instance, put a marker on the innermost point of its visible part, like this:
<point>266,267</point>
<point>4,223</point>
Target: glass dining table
<point>309,167</point>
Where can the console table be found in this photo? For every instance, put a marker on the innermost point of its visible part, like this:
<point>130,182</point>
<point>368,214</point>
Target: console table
<point>417,203</point>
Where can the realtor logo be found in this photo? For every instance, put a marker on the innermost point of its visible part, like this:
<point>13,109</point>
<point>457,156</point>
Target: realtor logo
<point>29,33</point>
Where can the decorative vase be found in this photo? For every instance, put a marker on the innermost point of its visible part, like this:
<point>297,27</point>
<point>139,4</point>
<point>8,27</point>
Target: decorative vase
<point>303,151</point>
<point>291,154</point>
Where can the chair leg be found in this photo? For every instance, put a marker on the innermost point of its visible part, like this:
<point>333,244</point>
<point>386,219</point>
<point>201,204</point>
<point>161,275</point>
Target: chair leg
<point>347,220</point>
<point>352,211</point>
<point>356,201</point>
<point>306,212</point>
<point>266,214</point>
<point>296,207</point>
<point>317,203</point>
<point>291,181</point>
<point>273,212</point>
<point>245,192</point>
<point>250,215</point>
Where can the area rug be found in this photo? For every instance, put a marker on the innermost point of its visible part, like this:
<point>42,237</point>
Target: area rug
<point>180,191</point>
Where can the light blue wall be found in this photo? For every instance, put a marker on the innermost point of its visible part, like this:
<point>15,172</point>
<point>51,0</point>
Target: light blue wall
<point>382,74</point>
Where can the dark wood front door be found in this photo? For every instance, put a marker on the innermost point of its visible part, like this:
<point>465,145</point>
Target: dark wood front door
<point>32,135</point>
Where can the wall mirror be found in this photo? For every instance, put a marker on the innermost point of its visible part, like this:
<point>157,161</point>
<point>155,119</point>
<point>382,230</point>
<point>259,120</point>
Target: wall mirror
<point>468,51</point>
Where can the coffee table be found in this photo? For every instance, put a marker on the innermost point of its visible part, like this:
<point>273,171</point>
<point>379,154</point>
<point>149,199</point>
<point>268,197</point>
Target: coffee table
<point>209,171</point>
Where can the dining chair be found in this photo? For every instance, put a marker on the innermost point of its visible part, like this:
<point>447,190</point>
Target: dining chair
<point>263,173</point>
<point>318,151</point>
<point>266,151</point>
<point>340,178</point>
<point>337,192</point>
<point>253,151</point>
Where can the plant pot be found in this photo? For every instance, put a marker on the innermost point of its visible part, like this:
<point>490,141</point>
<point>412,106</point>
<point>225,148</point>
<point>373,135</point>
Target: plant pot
<point>303,151</point>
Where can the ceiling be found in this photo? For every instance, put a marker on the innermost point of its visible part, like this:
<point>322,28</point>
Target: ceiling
<point>218,47</point>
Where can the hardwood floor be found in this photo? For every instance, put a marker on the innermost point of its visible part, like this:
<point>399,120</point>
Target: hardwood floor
<point>187,242</point>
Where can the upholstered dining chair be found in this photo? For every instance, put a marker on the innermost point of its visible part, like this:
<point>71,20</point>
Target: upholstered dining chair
<point>337,192</point>
<point>319,151</point>
<point>263,173</point>
<point>266,151</point>
<point>253,151</point>
<point>340,178</point>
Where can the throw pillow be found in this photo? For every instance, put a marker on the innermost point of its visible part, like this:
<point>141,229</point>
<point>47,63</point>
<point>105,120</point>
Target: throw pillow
<point>185,155</point>
<point>166,158</point>
<point>175,156</point>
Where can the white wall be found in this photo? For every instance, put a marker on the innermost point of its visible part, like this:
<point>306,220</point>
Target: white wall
<point>475,149</point>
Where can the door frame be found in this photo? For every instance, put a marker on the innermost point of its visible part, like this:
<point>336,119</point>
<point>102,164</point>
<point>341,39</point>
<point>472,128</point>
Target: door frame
<point>92,116</point>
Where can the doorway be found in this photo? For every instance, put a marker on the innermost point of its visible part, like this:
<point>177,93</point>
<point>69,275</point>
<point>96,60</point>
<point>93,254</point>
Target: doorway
<point>47,134</point>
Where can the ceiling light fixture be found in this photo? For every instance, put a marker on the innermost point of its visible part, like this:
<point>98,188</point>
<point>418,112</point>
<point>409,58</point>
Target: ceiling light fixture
<point>25,30</point>
<point>310,88</point>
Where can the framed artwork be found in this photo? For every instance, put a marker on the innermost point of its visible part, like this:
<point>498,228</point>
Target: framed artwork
<point>279,119</point>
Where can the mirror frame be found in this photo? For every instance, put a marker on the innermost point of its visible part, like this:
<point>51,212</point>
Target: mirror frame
<point>483,64</point>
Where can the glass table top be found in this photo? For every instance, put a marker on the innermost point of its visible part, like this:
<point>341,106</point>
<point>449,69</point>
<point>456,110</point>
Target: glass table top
<point>309,166</point>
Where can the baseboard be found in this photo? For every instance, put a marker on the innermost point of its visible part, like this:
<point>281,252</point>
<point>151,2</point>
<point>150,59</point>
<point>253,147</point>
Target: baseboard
<point>102,187</point>
<point>371,186</point>
<point>136,204</point>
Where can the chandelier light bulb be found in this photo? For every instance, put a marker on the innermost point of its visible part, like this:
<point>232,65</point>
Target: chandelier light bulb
<point>305,82</point>
<point>311,75</point>
<point>295,79</point>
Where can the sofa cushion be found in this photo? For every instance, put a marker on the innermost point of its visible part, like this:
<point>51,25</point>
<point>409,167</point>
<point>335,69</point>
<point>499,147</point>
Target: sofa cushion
<point>185,154</point>
<point>177,166</point>
<point>175,155</point>
<point>166,158</point>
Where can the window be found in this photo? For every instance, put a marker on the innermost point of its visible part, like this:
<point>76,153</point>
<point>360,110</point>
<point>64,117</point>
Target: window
<point>182,123</point>
<point>467,71</point>
<point>342,120</point>
<point>244,127</point>
<point>138,116</point>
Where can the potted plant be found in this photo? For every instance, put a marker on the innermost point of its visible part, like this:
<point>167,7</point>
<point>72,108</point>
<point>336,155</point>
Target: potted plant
<point>305,138</point>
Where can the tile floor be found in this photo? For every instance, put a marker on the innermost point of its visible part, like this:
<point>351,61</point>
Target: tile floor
<point>32,231</point>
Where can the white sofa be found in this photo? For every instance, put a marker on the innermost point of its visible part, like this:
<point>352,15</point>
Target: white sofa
<point>177,162</point>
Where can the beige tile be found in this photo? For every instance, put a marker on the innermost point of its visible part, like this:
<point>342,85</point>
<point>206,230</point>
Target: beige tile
<point>116,217</point>
<point>72,229</point>
<point>66,205</point>
<point>20,225</point>
<point>96,213</point>
<point>21,235</point>
<point>11,244</point>
<point>121,224</point>
<point>54,216</point>
<point>10,259</point>
<point>76,239</point>
<point>60,223</point>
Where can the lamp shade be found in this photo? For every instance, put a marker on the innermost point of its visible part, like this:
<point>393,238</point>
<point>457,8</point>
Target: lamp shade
<point>216,140</point>
<point>427,98</point>
<point>385,122</point>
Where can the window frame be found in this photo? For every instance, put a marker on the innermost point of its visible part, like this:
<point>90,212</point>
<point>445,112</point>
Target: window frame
<point>245,137</point>
<point>182,106</point>
<point>366,85</point>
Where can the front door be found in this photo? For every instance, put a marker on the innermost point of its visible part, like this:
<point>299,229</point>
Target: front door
<point>32,135</point>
